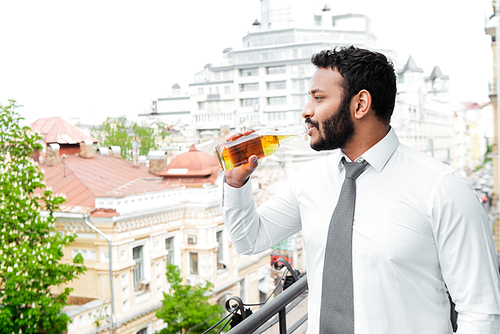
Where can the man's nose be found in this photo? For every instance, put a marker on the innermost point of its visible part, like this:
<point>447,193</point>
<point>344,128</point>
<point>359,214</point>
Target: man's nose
<point>307,111</point>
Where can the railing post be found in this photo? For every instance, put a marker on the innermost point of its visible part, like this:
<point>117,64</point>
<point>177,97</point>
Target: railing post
<point>282,319</point>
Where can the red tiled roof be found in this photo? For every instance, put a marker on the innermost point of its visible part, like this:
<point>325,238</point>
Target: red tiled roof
<point>57,130</point>
<point>84,179</point>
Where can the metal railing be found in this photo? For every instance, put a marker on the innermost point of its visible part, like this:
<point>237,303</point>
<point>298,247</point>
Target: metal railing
<point>277,308</point>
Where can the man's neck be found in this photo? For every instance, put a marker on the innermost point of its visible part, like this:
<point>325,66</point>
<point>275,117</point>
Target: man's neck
<point>364,139</point>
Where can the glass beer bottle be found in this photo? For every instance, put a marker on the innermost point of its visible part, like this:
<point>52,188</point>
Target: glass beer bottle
<point>261,143</point>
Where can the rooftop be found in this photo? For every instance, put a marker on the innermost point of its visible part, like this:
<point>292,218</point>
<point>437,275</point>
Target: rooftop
<point>57,130</point>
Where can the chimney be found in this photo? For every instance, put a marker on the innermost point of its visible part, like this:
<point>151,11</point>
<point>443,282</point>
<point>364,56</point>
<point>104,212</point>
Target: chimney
<point>86,149</point>
<point>135,152</point>
<point>176,89</point>
<point>53,154</point>
<point>114,151</point>
<point>157,161</point>
<point>103,151</point>
<point>143,160</point>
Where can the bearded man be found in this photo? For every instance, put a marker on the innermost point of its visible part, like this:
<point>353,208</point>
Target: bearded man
<point>387,230</point>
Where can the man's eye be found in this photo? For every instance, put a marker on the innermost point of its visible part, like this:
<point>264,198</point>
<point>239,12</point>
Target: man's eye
<point>318,97</point>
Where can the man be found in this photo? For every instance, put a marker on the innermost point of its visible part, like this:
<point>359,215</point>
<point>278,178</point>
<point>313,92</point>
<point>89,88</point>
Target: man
<point>418,227</point>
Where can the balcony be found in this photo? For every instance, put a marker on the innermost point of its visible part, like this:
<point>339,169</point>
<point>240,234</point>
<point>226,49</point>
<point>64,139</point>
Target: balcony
<point>213,97</point>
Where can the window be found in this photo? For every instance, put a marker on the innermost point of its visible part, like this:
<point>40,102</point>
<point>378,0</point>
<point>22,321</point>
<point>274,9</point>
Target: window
<point>169,245</point>
<point>193,263</point>
<point>243,292</point>
<point>262,295</point>
<point>87,254</point>
<point>220,251</point>
<point>317,20</point>
<point>276,100</point>
<point>201,105</point>
<point>249,72</point>
<point>139,265</point>
<point>217,75</point>
<point>143,331</point>
<point>227,89</point>
<point>249,102</point>
<point>276,69</point>
<point>227,74</point>
<point>276,85</point>
<point>249,87</point>
<point>201,91</point>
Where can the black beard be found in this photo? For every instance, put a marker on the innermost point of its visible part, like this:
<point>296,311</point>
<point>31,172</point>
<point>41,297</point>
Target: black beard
<point>337,130</point>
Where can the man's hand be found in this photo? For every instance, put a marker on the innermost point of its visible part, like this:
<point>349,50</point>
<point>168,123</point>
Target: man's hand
<point>237,177</point>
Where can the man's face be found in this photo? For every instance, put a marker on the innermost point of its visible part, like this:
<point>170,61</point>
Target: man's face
<point>328,113</point>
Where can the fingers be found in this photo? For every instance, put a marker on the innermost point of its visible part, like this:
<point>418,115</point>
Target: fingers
<point>237,135</point>
<point>238,176</point>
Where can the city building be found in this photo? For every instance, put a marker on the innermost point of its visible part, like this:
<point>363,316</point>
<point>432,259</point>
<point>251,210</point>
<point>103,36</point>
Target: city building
<point>423,115</point>
<point>264,83</point>
<point>131,220</point>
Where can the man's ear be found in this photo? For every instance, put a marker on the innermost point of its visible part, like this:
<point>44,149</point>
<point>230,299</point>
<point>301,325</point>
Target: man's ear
<point>362,103</point>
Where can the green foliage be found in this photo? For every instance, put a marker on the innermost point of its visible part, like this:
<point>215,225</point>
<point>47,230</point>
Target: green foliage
<point>487,154</point>
<point>186,308</point>
<point>121,132</point>
<point>30,248</point>
<point>146,138</point>
<point>114,134</point>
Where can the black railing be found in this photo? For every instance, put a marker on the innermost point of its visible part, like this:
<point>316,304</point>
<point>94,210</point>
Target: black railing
<point>275,311</point>
<point>277,306</point>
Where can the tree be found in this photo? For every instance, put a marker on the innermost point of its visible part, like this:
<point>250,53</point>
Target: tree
<point>30,248</point>
<point>121,132</point>
<point>114,133</point>
<point>186,308</point>
<point>146,138</point>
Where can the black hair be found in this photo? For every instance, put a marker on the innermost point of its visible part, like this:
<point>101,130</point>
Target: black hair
<point>363,69</point>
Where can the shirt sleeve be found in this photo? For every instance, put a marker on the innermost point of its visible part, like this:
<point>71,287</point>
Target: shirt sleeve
<point>254,230</point>
<point>467,256</point>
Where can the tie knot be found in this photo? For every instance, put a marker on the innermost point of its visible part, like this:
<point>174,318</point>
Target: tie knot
<point>354,169</point>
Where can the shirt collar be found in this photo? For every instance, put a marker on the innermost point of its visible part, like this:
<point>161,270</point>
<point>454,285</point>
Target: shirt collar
<point>378,155</point>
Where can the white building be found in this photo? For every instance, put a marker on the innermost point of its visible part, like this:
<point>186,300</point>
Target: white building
<point>423,115</point>
<point>265,82</point>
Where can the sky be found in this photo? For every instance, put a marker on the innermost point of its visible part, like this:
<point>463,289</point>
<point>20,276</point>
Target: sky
<point>97,59</point>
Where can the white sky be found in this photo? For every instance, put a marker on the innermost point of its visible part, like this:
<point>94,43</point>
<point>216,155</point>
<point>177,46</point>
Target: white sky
<point>93,59</point>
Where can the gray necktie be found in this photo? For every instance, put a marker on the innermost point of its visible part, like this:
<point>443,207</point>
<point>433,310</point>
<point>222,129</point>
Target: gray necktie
<point>337,304</point>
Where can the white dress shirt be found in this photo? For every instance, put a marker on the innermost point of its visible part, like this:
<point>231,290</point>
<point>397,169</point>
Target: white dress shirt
<point>418,225</point>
